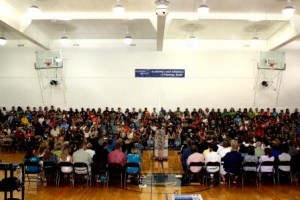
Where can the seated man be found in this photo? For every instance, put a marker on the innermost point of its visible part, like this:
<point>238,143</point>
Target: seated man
<point>186,152</point>
<point>101,154</point>
<point>82,156</point>
<point>233,160</point>
<point>88,148</point>
<point>117,156</point>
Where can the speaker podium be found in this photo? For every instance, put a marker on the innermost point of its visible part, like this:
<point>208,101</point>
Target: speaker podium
<point>165,151</point>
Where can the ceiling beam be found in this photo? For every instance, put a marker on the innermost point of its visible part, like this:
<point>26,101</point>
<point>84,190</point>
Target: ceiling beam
<point>284,36</point>
<point>161,24</point>
<point>19,23</point>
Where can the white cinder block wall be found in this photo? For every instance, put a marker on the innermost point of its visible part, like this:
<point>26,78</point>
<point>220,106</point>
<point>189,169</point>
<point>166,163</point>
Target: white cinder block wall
<point>99,78</point>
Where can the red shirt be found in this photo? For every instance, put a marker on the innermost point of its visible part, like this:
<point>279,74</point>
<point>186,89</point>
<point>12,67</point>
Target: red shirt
<point>117,156</point>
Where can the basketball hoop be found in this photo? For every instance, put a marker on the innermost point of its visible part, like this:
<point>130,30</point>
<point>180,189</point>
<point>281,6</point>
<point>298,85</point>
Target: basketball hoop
<point>272,65</point>
<point>48,63</point>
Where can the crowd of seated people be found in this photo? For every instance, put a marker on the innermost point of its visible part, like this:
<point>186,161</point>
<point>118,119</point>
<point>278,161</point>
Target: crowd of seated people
<point>99,132</point>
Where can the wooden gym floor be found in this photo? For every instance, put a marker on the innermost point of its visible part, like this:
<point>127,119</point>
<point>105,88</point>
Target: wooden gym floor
<point>149,166</point>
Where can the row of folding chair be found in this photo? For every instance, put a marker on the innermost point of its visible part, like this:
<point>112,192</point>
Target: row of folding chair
<point>256,172</point>
<point>275,174</point>
<point>116,170</point>
<point>53,172</point>
<point>205,174</point>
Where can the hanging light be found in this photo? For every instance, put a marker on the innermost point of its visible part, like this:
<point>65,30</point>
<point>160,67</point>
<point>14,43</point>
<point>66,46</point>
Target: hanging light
<point>191,41</point>
<point>255,41</point>
<point>118,9</point>
<point>288,10</point>
<point>2,41</point>
<point>34,10</point>
<point>162,7</point>
<point>203,9</point>
<point>127,40</point>
<point>64,40</point>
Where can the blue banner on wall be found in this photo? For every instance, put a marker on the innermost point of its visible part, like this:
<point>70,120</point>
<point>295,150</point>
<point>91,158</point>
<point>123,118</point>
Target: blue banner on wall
<point>160,73</point>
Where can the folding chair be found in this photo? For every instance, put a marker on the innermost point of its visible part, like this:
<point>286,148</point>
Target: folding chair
<point>7,142</point>
<point>50,170</point>
<point>32,168</point>
<point>199,174</point>
<point>272,173</point>
<point>127,172</point>
<point>63,173</point>
<point>281,172</point>
<point>249,170</point>
<point>81,170</point>
<point>113,170</point>
<point>97,170</point>
<point>209,174</point>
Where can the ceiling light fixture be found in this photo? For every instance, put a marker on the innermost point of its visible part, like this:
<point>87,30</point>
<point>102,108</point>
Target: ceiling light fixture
<point>192,41</point>
<point>64,39</point>
<point>2,41</point>
<point>203,9</point>
<point>127,40</point>
<point>118,9</point>
<point>288,10</point>
<point>255,41</point>
<point>162,7</point>
<point>34,10</point>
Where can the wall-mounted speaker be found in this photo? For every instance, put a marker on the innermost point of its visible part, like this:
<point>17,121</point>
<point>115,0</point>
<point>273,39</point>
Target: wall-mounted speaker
<point>264,83</point>
<point>53,82</point>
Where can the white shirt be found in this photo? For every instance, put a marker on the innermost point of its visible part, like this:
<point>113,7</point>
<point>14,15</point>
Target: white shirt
<point>264,158</point>
<point>91,152</point>
<point>41,120</point>
<point>55,132</point>
<point>212,157</point>
<point>284,157</point>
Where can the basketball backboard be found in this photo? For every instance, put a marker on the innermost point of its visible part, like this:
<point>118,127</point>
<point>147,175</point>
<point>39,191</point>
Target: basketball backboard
<point>48,59</point>
<point>272,60</point>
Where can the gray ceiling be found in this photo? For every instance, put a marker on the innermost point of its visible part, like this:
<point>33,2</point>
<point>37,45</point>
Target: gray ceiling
<point>93,19</point>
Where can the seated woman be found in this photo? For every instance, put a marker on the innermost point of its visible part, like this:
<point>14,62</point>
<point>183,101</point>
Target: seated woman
<point>267,157</point>
<point>250,157</point>
<point>49,156</point>
<point>195,157</point>
<point>58,149</point>
<point>133,157</point>
<point>284,156</point>
<point>30,157</point>
<point>66,157</point>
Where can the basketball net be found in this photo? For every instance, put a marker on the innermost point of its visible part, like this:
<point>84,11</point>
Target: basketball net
<point>272,65</point>
<point>47,63</point>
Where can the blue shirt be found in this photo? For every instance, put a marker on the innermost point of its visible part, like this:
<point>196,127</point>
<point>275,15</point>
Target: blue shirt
<point>185,154</point>
<point>232,162</point>
<point>32,169</point>
<point>134,158</point>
